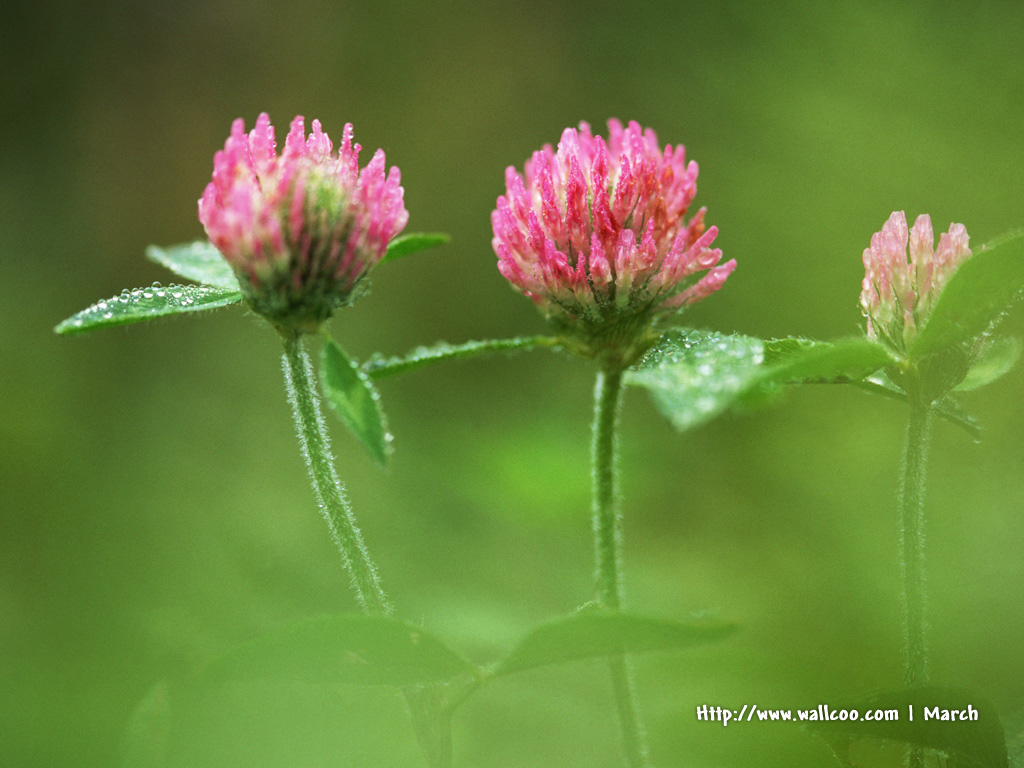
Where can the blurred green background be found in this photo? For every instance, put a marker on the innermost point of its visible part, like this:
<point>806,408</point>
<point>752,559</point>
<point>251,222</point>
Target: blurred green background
<point>154,507</point>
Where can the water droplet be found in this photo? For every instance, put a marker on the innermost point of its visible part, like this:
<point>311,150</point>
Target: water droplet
<point>107,315</point>
<point>156,284</point>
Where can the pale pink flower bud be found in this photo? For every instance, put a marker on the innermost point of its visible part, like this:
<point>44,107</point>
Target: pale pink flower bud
<point>303,228</point>
<point>904,275</point>
<point>595,232</point>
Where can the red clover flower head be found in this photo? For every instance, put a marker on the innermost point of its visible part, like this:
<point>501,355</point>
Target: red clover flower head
<point>898,294</point>
<point>303,228</point>
<point>594,233</point>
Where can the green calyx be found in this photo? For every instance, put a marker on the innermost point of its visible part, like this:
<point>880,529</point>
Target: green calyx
<point>615,342</point>
<point>301,310</point>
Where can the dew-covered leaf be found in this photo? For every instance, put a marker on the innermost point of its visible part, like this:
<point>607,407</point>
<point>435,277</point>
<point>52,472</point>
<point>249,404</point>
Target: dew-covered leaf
<point>597,632</point>
<point>346,648</point>
<point>147,303</point>
<point>976,295</point>
<point>199,261</point>
<point>693,376</point>
<point>1000,356</point>
<point>145,740</point>
<point>353,397</point>
<point>379,367</point>
<point>978,743</point>
<point>414,242</point>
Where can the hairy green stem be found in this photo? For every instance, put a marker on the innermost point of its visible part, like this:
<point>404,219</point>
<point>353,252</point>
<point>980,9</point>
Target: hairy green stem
<point>915,456</point>
<point>334,503</point>
<point>432,724</point>
<point>911,502</point>
<point>607,546</point>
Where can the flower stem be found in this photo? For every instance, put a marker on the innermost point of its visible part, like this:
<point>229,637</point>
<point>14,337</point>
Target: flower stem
<point>911,501</point>
<point>334,503</point>
<point>431,723</point>
<point>915,456</point>
<point>607,521</point>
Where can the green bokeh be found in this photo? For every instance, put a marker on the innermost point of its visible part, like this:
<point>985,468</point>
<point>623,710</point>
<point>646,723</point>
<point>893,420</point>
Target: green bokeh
<point>153,505</point>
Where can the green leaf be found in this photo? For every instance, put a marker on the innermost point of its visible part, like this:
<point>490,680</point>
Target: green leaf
<point>1000,356</point>
<point>199,261</point>
<point>947,408</point>
<point>693,376</point>
<point>346,648</point>
<point>379,367</point>
<point>592,633</point>
<point>414,242</point>
<point>145,740</point>
<point>976,295</point>
<point>806,361</point>
<point>979,743</point>
<point>147,303</point>
<point>354,398</point>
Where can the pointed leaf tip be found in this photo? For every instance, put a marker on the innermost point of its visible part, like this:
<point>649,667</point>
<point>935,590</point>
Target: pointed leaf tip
<point>694,376</point>
<point>353,397</point>
<point>414,242</point>
<point>147,303</point>
<point>599,632</point>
